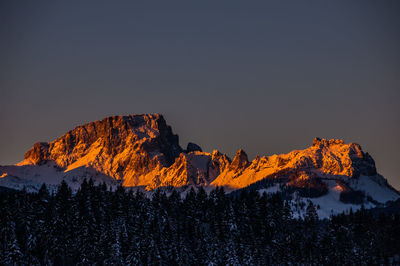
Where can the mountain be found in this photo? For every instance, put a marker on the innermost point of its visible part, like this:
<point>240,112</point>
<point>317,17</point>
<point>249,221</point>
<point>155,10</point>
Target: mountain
<point>142,151</point>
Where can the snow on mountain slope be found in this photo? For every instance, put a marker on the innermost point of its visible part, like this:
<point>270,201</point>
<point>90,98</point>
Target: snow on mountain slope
<point>328,204</point>
<point>376,187</point>
<point>33,176</point>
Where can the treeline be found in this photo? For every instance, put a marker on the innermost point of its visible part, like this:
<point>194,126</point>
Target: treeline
<point>96,226</point>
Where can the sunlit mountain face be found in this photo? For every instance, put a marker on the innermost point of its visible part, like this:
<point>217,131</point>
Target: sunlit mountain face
<point>122,191</point>
<point>142,152</point>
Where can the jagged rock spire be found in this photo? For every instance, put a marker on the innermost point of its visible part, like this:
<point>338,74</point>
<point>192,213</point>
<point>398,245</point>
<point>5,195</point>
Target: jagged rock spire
<point>240,161</point>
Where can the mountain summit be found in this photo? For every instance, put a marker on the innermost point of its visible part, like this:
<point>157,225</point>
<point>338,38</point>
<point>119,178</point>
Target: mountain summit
<point>114,136</point>
<point>125,148</point>
<point>142,151</point>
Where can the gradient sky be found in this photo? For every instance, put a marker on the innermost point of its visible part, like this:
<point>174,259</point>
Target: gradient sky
<point>263,76</point>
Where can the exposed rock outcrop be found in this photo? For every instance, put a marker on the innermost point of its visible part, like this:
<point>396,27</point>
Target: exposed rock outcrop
<point>141,150</point>
<point>193,147</point>
<point>240,162</point>
<point>122,147</point>
<point>325,158</point>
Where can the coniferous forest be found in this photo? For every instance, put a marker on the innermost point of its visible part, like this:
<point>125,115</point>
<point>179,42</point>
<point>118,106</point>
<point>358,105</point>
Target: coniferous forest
<point>96,226</point>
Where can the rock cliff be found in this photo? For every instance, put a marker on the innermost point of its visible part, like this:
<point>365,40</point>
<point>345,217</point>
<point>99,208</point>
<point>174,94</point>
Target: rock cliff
<point>142,151</point>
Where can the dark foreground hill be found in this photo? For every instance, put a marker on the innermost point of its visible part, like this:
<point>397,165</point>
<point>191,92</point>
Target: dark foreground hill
<point>96,226</point>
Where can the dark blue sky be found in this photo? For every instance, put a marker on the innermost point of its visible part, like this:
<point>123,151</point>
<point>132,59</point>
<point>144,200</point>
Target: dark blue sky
<point>264,76</point>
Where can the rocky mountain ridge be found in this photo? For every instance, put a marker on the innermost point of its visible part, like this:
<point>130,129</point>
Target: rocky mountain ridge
<point>122,147</point>
<point>142,151</point>
<point>325,158</point>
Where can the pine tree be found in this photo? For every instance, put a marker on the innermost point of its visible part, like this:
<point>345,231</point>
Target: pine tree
<point>311,217</point>
<point>100,226</point>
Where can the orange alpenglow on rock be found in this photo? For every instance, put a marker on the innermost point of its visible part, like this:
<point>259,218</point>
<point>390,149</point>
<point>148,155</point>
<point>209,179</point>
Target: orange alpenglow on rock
<point>141,150</point>
<point>333,159</point>
<point>128,148</point>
